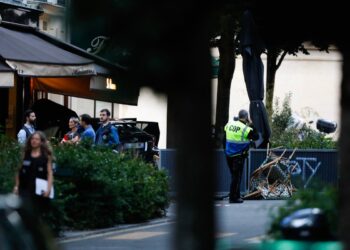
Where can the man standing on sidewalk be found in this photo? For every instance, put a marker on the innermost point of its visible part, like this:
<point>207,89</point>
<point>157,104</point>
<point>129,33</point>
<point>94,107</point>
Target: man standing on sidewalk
<point>28,127</point>
<point>107,134</point>
<point>239,133</point>
<point>88,135</point>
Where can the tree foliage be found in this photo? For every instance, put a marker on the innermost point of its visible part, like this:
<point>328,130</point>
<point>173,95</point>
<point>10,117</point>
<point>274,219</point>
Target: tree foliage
<point>10,158</point>
<point>286,135</point>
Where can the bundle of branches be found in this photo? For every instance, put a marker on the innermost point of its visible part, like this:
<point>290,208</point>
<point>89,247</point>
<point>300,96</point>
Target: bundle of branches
<point>272,180</point>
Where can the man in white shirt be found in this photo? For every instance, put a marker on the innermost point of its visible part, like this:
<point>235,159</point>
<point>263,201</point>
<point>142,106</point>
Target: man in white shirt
<point>28,127</point>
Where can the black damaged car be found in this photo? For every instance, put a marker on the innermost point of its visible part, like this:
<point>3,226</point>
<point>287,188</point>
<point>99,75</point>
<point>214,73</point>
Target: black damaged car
<point>138,137</point>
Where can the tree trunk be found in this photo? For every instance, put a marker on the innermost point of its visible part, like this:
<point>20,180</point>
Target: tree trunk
<point>271,70</point>
<point>344,187</point>
<point>226,69</point>
<point>4,106</point>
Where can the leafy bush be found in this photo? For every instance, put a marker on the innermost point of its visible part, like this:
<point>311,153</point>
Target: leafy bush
<point>56,217</point>
<point>325,198</point>
<point>141,190</point>
<point>289,137</point>
<point>109,188</point>
<point>94,188</point>
<point>9,162</point>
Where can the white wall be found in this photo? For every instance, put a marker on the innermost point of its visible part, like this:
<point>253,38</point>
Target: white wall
<point>313,80</point>
<point>56,98</point>
<point>151,106</point>
<point>314,83</point>
<point>82,106</point>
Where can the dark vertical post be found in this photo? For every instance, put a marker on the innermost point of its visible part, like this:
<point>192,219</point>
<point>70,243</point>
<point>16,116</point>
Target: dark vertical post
<point>94,116</point>
<point>344,187</point>
<point>171,124</point>
<point>194,172</point>
<point>35,95</point>
<point>168,45</point>
<point>65,101</point>
<point>27,95</point>
<point>190,110</point>
<point>19,103</point>
<point>4,106</point>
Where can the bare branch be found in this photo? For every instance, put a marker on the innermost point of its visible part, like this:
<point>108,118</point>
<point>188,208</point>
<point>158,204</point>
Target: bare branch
<point>281,59</point>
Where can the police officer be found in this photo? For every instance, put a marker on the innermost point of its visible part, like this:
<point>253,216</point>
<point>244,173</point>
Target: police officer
<point>107,134</point>
<point>239,133</point>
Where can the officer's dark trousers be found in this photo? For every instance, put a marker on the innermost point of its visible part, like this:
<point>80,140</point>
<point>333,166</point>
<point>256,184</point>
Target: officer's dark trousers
<point>236,165</point>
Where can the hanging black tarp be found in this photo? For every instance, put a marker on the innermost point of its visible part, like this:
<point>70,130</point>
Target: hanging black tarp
<point>253,69</point>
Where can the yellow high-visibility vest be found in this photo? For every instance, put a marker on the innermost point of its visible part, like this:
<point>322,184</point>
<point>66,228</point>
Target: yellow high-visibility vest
<point>237,132</point>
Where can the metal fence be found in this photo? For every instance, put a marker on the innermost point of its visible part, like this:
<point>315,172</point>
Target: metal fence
<point>313,167</point>
<point>222,178</point>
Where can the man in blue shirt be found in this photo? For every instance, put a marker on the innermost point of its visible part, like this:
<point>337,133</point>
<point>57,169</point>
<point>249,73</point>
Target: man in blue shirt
<point>107,134</point>
<point>89,133</point>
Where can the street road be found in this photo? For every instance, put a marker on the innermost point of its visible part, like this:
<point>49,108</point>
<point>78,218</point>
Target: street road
<point>237,225</point>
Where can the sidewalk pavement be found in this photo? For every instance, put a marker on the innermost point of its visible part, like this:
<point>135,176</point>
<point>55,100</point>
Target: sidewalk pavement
<point>70,234</point>
<point>75,234</point>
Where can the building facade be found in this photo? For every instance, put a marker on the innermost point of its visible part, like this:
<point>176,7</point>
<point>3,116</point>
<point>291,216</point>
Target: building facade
<point>312,80</point>
<point>52,21</point>
<point>34,64</point>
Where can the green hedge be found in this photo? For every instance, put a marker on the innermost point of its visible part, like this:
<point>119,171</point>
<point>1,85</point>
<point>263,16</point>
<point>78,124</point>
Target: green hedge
<point>94,188</point>
<point>103,188</point>
<point>9,163</point>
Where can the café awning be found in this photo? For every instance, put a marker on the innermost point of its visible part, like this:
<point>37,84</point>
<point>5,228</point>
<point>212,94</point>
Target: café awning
<point>30,53</point>
<point>88,87</point>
